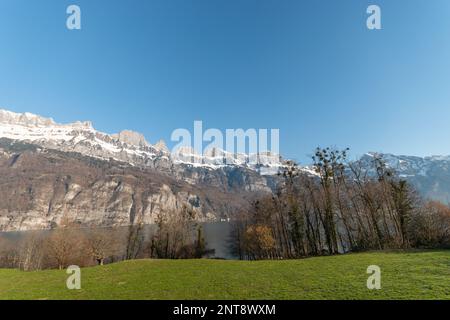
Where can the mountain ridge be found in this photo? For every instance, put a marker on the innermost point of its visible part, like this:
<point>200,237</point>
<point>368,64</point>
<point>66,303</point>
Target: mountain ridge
<point>127,145</point>
<point>50,170</point>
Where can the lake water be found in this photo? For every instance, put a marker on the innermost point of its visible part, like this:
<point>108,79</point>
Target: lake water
<point>216,235</point>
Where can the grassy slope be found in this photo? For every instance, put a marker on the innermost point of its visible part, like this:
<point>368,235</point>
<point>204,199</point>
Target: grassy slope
<point>412,275</point>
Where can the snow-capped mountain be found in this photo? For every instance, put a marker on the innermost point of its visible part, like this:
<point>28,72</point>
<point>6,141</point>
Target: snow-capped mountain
<point>76,137</point>
<point>412,166</point>
<point>127,146</point>
<point>430,175</point>
<point>49,171</point>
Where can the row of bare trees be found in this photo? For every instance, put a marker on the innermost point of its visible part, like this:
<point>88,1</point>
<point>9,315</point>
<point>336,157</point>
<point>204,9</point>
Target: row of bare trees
<point>339,207</point>
<point>176,236</point>
<point>64,246</point>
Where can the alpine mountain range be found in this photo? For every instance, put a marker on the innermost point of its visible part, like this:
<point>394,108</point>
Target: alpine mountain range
<point>49,171</point>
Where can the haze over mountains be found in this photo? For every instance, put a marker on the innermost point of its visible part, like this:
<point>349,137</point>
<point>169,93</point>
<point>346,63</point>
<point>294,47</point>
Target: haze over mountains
<point>49,171</point>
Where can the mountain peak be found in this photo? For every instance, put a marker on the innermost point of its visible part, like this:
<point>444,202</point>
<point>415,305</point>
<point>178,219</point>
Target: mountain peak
<point>28,119</point>
<point>24,119</point>
<point>132,138</point>
<point>161,145</point>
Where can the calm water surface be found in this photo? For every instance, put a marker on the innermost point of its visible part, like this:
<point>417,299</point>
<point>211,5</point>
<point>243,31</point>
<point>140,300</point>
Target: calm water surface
<point>216,235</point>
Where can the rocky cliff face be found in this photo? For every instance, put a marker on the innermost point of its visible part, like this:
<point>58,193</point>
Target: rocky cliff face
<point>39,187</point>
<point>49,171</point>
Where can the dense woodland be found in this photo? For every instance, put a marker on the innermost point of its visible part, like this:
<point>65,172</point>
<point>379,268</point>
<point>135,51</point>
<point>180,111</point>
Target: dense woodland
<point>340,207</point>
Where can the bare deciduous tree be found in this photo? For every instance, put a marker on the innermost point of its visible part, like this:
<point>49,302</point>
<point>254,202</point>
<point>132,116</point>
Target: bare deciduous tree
<point>100,244</point>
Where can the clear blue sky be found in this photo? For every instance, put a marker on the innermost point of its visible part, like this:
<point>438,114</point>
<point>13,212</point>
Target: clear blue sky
<point>310,68</point>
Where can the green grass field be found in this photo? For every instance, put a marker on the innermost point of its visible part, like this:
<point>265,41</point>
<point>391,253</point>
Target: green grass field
<point>410,275</point>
